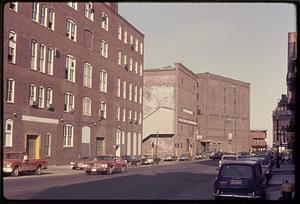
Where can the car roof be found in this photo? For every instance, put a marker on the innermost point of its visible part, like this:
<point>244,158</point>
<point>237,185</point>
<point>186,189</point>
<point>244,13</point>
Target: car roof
<point>229,155</point>
<point>241,162</point>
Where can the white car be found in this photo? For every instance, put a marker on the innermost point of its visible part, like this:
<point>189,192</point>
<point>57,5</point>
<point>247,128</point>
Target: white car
<point>227,157</point>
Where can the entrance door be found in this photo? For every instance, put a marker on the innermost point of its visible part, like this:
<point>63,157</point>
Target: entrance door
<point>85,141</point>
<point>99,146</point>
<point>32,147</point>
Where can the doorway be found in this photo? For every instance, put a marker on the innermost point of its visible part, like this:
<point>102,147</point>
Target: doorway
<point>99,145</point>
<point>33,146</point>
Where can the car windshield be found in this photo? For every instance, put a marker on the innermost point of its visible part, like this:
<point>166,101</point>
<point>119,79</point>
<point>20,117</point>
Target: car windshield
<point>236,171</point>
<point>104,158</point>
<point>13,155</point>
<point>229,158</point>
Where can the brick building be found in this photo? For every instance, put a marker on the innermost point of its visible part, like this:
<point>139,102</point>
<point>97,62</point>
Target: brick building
<point>187,112</point>
<point>258,140</point>
<point>73,78</point>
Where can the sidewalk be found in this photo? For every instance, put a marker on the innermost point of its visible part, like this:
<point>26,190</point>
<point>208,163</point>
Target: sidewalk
<point>279,176</point>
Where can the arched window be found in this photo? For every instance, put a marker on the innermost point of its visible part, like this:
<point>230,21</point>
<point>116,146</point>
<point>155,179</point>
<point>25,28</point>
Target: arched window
<point>88,39</point>
<point>70,68</point>
<point>8,132</point>
<point>86,106</point>
<point>10,90</point>
<point>68,134</point>
<point>87,75</point>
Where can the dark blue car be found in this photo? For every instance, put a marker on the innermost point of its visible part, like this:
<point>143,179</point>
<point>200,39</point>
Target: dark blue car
<point>240,179</point>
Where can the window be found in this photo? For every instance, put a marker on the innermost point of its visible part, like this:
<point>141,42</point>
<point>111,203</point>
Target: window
<point>125,36</point>
<point>10,89</point>
<point>32,94</point>
<point>102,111</point>
<point>73,5</point>
<point>129,116</point>
<point>125,60</point>
<point>141,95</point>
<point>135,117</point>
<point>119,58</point>
<point>69,102</point>
<point>89,11</point>
<point>135,93</point>
<point>136,45</point>
<point>42,58</point>
<point>70,68</point>
<point>12,39</point>
<point>104,48</point>
<point>104,21</point>
<point>87,75</point>
<point>119,32</point>
<point>118,113</point>
<point>103,81</point>
<point>118,87</point>
<point>130,91</point>
<point>33,57</point>
<point>88,39</point>
<point>131,40</point>
<point>141,48</point>
<point>35,12</point>
<point>124,89</point>
<point>43,16</point>
<point>71,30</point>
<point>49,98</point>
<point>86,106</point>
<point>141,69</point>
<point>8,132</point>
<point>140,118</point>
<point>130,64</point>
<point>13,6</point>
<point>136,67</point>
<point>48,145</point>
<point>124,114</point>
<point>50,61</point>
<point>51,20</point>
<point>41,97</point>
<point>68,133</point>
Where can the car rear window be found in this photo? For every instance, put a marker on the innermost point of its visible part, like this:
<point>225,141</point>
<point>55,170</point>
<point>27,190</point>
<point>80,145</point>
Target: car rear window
<point>236,171</point>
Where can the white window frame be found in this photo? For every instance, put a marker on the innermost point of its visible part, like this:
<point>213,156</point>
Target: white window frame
<point>10,90</point>
<point>51,20</point>
<point>130,64</point>
<point>69,102</point>
<point>118,113</point>
<point>135,93</point>
<point>141,95</point>
<point>103,81</point>
<point>33,56</point>
<point>41,97</point>
<point>104,21</point>
<point>9,133</point>
<point>48,145</point>
<point>68,135</point>
<point>119,32</point>
<point>135,117</point>
<point>43,17</point>
<point>86,106</point>
<point>89,11</point>
<point>141,48</point>
<point>72,5</point>
<point>124,89</point>
<point>35,12</point>
<point>140,118</point>
<point>129,116</point>
<point>102,110</point>
<point>119,57</point>
<point>42,58</point>
<point>49,97</point>
<point>104,49</point>
<point>87,75</point>
<point>130,91</point>
<point>136,67</point>
<point>141,69</point>
<point>12,46</point>
<point>32,94</point>
<point>131,40</point>
<point>124,115</point>
<point>50,58</point>
<point>124,59</point>
<point>71,30</point>
<point>136,45</point>
<point>15,4</point>
<point>125,36</point>
<point>70,68</point>
<point>118,87</point>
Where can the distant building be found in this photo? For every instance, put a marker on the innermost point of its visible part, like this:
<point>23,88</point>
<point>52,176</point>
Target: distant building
<point>187,112</point>
<point>258,140</point>
<point>73,80</point>
<point>281,121</point>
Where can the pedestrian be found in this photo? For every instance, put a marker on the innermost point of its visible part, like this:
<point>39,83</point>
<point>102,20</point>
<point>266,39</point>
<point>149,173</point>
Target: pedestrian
<point>281,159</point>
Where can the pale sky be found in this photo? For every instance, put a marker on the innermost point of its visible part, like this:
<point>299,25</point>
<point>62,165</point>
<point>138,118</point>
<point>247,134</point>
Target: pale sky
<point>242,41</point>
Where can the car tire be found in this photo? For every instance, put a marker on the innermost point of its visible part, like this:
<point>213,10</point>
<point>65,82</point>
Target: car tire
<point>15,171</point>
<point>38,171</point>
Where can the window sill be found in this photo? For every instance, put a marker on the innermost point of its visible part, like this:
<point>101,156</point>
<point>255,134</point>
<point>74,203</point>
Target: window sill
<point>10,102</point>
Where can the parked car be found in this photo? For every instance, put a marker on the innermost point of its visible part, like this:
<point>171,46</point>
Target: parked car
<point>79,164</point>
<point>131,160</point>
<point>149,159</point>
<point>227,157</point>
<point>216,156</point>
<point>184,157</point>
<point>169,157</point>
<point>200,156</point>
<point>16,163</point>
<point>105,164</point>
<point>240,179</point>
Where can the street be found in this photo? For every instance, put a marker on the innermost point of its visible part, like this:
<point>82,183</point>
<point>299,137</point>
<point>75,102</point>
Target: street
<point>174,181</point>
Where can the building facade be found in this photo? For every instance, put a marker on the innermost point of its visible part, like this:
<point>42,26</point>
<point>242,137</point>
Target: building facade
<point>258,140</point>
<point>190,113</point>
<point>73,80</point>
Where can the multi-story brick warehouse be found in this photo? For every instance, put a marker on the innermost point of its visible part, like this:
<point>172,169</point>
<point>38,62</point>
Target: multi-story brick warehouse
<point>258,140</point>
<point>194,112</point>
<point>72,80</point>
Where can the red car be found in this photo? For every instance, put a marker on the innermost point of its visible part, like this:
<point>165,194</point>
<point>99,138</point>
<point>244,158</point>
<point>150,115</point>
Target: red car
<point>17,162</point>
<point>105,164</point>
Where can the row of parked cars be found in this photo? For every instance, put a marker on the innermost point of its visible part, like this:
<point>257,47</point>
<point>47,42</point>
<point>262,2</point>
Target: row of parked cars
<point>243,176</point>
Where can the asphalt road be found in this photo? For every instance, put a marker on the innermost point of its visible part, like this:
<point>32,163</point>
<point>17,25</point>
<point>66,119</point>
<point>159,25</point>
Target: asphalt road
<point>192,180</point>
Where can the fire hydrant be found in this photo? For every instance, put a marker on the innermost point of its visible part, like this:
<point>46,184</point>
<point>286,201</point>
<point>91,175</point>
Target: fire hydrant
<point>286,191</point>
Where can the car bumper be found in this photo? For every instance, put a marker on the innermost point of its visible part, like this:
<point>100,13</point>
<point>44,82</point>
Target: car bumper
<point>97,170</point>
<point>230,195</point>
<point>7,170</point>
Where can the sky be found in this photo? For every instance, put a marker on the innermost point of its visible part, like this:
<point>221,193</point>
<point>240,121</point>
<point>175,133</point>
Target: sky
<point>242,41</point>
